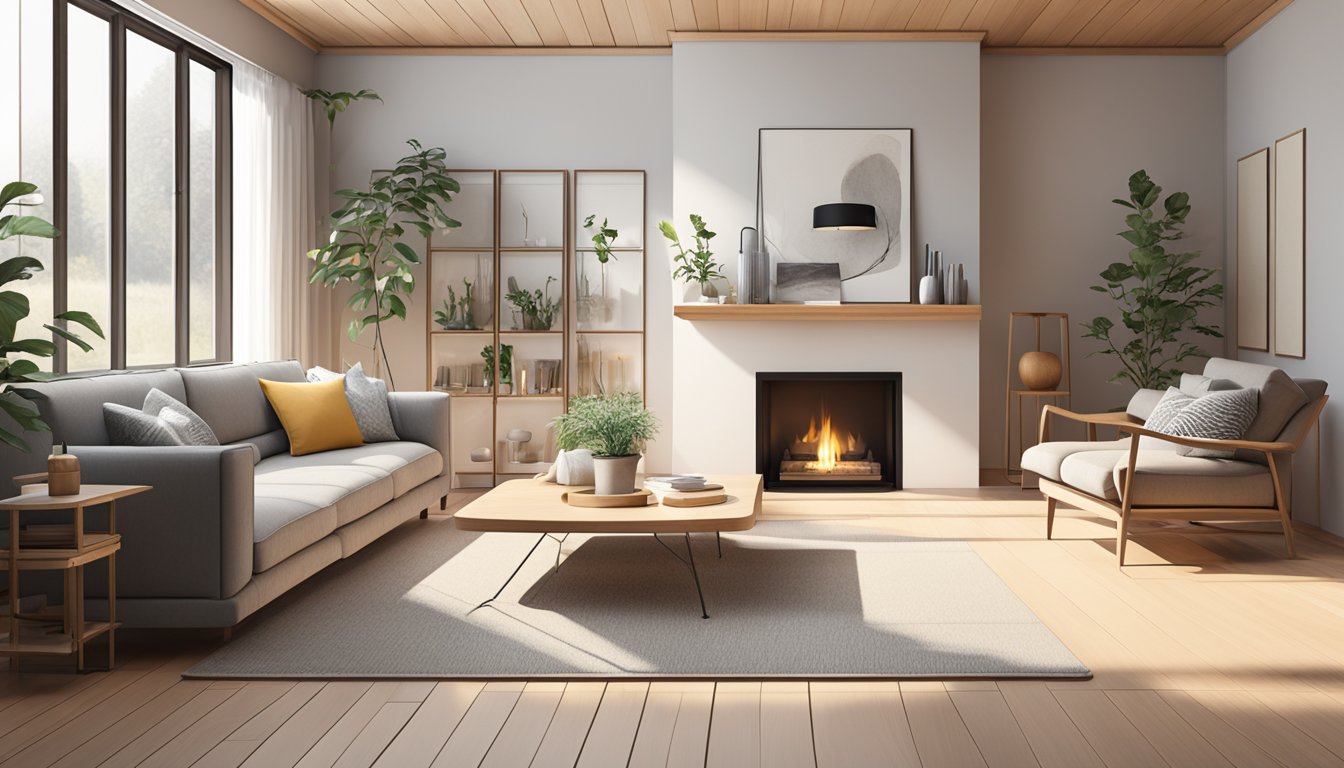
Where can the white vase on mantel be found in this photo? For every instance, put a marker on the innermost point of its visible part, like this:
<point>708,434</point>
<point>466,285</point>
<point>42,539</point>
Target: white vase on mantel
<point>709,294</point>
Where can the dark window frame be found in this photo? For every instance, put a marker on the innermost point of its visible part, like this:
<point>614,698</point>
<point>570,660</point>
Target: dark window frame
<point>121,23</point>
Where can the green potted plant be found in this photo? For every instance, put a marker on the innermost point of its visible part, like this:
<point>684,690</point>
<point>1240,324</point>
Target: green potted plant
<point>365,248</point>
<point>16,402</point>
<point>505,366</point>
<point>537,308</point>
<point>615,428</point>
<point>696,265</point>
<point>1159,293</point>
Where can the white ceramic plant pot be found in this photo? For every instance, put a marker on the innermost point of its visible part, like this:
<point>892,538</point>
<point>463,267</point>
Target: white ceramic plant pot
<point>614,475</point>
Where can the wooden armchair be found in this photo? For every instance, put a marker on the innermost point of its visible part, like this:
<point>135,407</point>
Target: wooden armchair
<point>1149,475</point>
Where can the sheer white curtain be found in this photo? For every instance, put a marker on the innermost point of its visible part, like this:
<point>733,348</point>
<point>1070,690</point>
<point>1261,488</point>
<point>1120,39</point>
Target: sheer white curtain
<point>276,314</point>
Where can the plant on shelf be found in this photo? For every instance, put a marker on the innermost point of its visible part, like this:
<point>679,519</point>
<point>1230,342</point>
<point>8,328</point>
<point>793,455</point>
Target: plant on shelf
<point>696,265</point>
<point>505,365</point>
<point>15,401</point>
<point>537,307</point>
<point>615,428</point>
<point>365,248</point>
<point>1159,293</point>
<point>456,314</point>
<point>602,236</point>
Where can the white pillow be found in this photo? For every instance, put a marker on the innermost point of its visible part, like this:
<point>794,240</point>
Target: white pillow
<point>1218,415</point>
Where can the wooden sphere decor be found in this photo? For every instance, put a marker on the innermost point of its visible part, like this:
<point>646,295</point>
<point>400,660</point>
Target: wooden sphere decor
<point>1040,371</point>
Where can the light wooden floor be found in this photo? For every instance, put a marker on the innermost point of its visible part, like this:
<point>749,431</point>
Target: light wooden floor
<point>1209,651</point>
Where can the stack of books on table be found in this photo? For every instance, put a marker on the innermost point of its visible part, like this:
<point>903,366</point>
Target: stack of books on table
<point>680,486</point>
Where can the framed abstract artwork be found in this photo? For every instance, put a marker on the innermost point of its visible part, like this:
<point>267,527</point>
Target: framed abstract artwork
<point>1290,245</point>
<point>1253,251</point>
<point>801,168</point>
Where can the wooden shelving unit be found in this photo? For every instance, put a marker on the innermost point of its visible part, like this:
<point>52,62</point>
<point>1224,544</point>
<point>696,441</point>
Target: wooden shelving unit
<point>821,312</point>
<point>497,241</point>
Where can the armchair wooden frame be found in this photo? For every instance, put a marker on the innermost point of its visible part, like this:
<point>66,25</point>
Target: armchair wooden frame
<point>1127,512</point>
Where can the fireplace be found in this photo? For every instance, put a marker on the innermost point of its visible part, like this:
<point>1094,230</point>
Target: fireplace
<point>829,431</point>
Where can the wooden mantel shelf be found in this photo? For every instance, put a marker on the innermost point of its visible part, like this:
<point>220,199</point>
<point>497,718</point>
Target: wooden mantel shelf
<point>852,312</point>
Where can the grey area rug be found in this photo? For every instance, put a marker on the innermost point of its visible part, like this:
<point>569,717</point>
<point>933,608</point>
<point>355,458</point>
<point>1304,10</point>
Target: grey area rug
<point>787,599</point>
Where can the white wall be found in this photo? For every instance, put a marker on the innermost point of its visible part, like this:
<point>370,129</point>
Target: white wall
<point>1284,77</point>
<point>539,112</point>
<point>234,26</point>
<point>1060,136</point>
<point>722,94</point>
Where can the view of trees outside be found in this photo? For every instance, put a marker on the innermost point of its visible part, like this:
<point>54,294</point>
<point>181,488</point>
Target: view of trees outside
<point>151,230</point>
<point>25,144</point>
<point>202,151</point>
<point>26,153</point>
<point>87,234</point>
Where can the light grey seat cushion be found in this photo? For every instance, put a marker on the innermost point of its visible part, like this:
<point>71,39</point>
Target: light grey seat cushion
<point>286,526</point>
<point>409,464</point>
<point>1045,459</point>
<point>323,480</point>
<point>1169,479</point>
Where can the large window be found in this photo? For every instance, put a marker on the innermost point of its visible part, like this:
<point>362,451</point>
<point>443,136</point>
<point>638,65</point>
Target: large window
<point>125,128</point>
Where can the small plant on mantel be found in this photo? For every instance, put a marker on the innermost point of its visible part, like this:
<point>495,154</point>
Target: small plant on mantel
<point>1159,294</point>
<point>696,265</point>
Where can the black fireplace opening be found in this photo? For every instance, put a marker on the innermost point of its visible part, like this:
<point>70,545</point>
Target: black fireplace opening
<point>829,431</point>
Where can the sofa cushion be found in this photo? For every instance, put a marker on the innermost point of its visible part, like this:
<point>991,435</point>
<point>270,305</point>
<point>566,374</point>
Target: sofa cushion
<point>1143,402</point>
<point>1280,397</point>
<point>1195,385</point>
<point>409,464</point>
<point>266,445</point>
<point>1215,415</point>
<point>131,426</point>
<point>316,417</point>
<point>326,479</point>
<point>229,398</point>
<point>285,526</point>
<point>1045,459</point>
<point>1170,479</point>
<point>73,407</point>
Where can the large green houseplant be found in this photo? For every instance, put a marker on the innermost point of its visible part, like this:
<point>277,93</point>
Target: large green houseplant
<point>1159,293</point>
<point>365,248</point>
<point>15,401</point>
<point>615,428</point>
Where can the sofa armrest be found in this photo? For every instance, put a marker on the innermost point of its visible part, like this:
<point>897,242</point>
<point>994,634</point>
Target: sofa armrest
<point>192,535</point>
<point>1092,420</point>
<point>1136,431</point>
<point>424,417</point>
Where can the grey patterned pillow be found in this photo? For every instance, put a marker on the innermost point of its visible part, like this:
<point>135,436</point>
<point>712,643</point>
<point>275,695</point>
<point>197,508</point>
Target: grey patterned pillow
<point>1222,415</point>
<point>190,428</point>
<point>127,426</point>
<point>368,400</point>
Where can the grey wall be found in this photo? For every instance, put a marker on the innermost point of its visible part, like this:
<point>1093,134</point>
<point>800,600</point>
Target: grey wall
<point>539,112</point>
<point>1059,138</point>
<point>1284,77</point>
<point>232,25</point>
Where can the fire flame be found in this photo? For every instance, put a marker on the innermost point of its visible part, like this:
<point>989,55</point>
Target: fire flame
<point>828,442</point>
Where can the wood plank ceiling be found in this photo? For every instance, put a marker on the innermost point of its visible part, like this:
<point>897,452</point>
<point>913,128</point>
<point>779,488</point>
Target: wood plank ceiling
<point>1008,24</point>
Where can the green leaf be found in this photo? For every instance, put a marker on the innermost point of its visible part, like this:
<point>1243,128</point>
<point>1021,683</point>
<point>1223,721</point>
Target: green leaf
<point>35,347</point>
<point>13,308</point>
<point>18,268</point>
<point>14,190</point>
<point>32,226</point>
<point>70,337</point>
<point>84,319</point>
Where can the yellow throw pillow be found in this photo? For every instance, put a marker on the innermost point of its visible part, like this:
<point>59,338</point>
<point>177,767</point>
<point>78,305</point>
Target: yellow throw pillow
<point>316,417</point>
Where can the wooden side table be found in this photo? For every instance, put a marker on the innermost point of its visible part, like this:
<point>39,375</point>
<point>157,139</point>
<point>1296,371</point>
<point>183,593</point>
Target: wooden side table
<point>1060,394</point>
<point>68,548</point>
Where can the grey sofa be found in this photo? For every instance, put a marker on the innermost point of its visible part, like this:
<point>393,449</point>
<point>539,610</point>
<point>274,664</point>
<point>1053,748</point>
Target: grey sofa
<point>229,528</point>
<point>1155,476</point>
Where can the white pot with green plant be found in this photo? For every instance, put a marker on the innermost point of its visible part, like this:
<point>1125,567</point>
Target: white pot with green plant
<point>696,265</point>
<point>615,428</point>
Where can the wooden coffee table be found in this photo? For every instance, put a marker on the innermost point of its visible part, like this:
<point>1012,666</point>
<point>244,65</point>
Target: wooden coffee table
<point>533,506</point>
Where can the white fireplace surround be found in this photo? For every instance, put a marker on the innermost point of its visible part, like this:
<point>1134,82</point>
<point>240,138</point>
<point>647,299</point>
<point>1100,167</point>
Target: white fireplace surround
<point>714,388</point>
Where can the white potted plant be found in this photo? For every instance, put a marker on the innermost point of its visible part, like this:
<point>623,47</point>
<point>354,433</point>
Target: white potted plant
<point>615,428</point>
<point>697,265</point>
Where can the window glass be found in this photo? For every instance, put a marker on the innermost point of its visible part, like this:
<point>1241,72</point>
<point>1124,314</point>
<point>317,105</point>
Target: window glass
<point>202,184</point>
<point>151,229</point>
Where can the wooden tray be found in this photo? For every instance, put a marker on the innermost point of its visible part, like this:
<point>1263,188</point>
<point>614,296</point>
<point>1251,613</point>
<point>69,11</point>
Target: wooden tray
<point>589,499</point>
<point>705,500</point>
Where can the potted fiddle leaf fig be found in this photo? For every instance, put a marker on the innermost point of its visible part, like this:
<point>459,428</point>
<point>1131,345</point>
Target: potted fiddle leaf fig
<point>616,429</point>
<point>15,401</point>
<point>696,265</point>
<point>366,249</point>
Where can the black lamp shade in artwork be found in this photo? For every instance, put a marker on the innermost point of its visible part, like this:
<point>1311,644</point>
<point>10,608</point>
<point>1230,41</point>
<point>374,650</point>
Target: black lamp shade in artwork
<point>844,216</point>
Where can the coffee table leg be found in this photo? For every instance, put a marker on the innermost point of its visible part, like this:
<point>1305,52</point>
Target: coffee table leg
<point>544,536</point>
<point>690,553</point>
<point>718,542</point>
